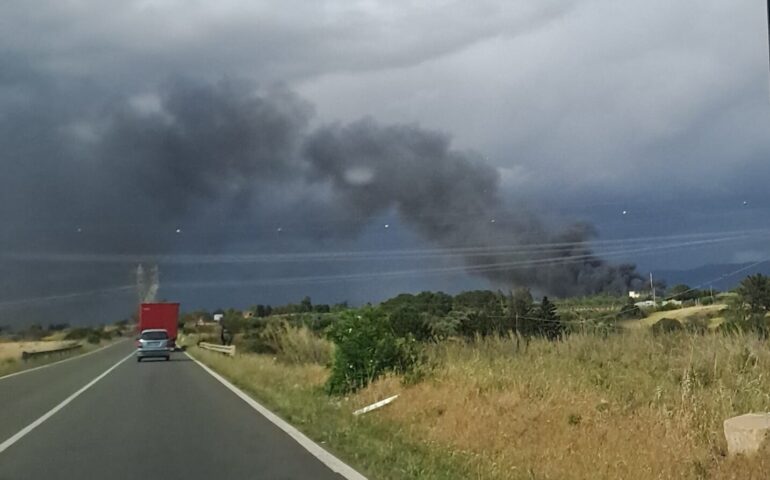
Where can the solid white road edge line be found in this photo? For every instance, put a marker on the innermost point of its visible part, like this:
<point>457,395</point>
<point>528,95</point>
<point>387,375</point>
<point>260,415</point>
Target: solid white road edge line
<point>60,361</point>
<point>334,463</point>
<point>24,431</point>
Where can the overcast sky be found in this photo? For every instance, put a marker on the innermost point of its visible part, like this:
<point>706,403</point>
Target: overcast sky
<point>585,108</point>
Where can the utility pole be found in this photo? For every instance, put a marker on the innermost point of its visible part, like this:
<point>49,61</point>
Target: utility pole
<point>652,288</point>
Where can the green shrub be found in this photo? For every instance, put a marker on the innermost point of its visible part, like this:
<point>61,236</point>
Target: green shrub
<point>697,325</point>
<point>91,335</point>
<point>729,327</point>
<point>630,311</point>
<point>318,322</point>
<point>94,337</point>
<point>366,347</point>
<point>753,323</point>
<point>472,324</point>
<point>668,307</point>
<point>442,328</point>
<point>406,320</point>
<point>79,333</point>
<point>666,325</point>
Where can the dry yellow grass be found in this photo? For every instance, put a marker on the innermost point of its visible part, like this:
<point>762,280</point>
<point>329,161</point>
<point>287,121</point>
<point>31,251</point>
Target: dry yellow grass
<point>709,313</point>
<point>631,406</point>
<point>55,337</point>
<point>684,314</point>
<point>298,344</point>
<point>377,447</point>
<point>12,350</point>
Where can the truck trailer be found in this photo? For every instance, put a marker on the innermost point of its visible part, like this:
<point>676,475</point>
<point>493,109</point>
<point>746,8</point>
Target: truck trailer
<point>163,316</point>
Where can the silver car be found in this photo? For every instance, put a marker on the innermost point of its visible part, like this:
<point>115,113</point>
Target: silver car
<point>153,343</point>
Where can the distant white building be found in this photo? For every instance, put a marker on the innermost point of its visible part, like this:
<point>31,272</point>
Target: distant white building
<point>634,294</point>
<point>651,304</point>
<point>218,317</point>
<point>672,302</point>
<point>645,304</point>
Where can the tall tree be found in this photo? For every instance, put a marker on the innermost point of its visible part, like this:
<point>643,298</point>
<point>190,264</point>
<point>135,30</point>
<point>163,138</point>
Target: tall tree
<point>550,323</point>
<point>519,313</point>
<point>754,292</point>
<point>306,305</point>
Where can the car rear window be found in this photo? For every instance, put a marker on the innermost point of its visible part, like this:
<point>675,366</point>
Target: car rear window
<point>154,336</point>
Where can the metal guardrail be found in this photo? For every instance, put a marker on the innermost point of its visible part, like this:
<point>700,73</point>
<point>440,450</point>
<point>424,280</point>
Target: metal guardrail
<point>226,349</point>
<point>43,353</point>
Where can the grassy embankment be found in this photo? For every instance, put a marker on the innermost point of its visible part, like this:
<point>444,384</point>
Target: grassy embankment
<point>631,406</point>
<point>10,353</point>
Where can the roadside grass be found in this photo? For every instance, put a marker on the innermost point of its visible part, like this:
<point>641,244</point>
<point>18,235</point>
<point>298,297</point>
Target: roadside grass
<point>296,345</point>
<point>10,354</point>
<point>376,447</point>
<point>631,406</point>
<point>13,349</point>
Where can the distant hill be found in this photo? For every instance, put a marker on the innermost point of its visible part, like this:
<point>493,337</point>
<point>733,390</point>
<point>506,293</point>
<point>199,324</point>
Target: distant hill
<point>721,276</point>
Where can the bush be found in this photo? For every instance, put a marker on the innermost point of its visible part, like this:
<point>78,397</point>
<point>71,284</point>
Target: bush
<point>406,320</point>
<point>697,325</point>
<point>296,345</point>
<point>729,328</point>
<point>318,323</point>
<point>668,307</point>
<point>366,347</point>
<point>755,323</point>
<point>442,328</point>
<point>666,325</point>
<point>255,343</point>
<point>630,311</point>
<point>78,333</point>
<point>472,324</point>
<point>91,335</point>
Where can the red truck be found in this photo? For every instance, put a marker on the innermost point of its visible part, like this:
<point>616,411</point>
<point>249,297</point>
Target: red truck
<point>160,315</point>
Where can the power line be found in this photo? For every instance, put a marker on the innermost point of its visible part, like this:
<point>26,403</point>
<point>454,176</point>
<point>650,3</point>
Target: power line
<point>560,260</point>
<point>395,254</point>
<point>64,296</point>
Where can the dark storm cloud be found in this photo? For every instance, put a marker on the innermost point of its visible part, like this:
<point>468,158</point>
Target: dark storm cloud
<point>274,41</point>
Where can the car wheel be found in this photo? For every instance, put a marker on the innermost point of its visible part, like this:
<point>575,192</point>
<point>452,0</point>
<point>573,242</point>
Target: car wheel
<point>168,358</point>
<point>138,359</point>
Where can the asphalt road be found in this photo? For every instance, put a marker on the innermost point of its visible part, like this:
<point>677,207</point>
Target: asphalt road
<point>146,420</point>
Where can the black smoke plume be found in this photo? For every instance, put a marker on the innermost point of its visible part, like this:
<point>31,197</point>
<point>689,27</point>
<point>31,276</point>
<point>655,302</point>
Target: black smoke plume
<point>124,169</point>
<point>452,199</point>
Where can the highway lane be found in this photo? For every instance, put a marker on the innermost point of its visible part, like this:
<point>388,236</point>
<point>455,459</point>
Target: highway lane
<point>25,397</point>
<point>159,419</point>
